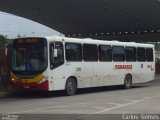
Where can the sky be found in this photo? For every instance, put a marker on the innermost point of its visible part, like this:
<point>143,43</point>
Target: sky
<point>12,26</point>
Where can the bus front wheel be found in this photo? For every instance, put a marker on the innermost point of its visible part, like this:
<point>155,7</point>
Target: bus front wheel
<point>71,86</point>
<point>127,82</point>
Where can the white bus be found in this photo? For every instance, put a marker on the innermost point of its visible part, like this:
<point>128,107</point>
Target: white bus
<point>61,63</point>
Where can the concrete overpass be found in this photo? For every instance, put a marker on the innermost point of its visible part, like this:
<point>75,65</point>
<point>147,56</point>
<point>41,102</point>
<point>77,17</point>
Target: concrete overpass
<point>127,20</point>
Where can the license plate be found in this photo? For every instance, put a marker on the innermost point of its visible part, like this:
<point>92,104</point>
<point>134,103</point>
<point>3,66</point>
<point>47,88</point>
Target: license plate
<point>26,87</point>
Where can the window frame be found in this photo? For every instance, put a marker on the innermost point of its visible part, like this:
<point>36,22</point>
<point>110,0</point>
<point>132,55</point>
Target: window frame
<point>135,54</point>
<point>138,55</point>
<point>151,56</point>
<point>52,64</point>
<point>113,54</point>
<point>105,52</point>
<point>92,53</point>
<point>80,53</point>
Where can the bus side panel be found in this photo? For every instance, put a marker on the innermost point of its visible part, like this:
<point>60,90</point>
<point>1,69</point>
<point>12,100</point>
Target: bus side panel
<point>85,74</point>
<point>57,76</point>
<point>103,74</point>
<point>82,71</point>
<point>149,71</point>
<point>136,73</point>
<point>120,72</point>
<point>143,72</point>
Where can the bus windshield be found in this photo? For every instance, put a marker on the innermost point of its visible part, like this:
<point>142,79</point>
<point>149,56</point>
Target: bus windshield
<point>29,56</point>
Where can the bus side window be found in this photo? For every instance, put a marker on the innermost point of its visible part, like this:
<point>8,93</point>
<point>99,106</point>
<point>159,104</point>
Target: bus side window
<point>130,54</point>
<point>105,53</point>
<point>90,52</point>
<point>149,54</point>
<point>118,53</point>
<point>73,52</point>
<point>141,54</point>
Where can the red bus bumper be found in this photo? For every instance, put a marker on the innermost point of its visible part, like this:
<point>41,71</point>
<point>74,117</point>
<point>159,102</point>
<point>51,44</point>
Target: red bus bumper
<point>31,86</point>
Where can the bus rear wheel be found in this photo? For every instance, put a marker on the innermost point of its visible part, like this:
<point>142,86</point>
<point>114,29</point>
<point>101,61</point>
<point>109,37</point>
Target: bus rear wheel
<point>71,87</point>
<point>127,82</point>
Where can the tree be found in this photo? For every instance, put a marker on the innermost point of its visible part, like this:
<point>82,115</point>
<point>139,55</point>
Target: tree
<point>3,39</point>
<point>18,36</point>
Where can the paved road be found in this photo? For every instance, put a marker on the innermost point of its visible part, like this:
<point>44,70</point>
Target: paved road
<point>142,98</point>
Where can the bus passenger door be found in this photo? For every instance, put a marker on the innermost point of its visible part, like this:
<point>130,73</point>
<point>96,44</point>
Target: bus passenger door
<point>57,66</point>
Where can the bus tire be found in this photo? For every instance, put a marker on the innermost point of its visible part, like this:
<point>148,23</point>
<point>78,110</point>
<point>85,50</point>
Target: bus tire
<point>71,86</point>
<point>127,81</point>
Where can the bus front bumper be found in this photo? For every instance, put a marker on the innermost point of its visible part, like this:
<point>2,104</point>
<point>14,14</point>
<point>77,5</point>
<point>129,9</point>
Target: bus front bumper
<point>31,86</point>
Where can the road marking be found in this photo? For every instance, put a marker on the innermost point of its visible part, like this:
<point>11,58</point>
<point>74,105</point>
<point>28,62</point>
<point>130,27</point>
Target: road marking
<point>44,108</point>
<point>130,100</point>
<point>115,103</point>
<point>96,107</point>
<point>53,110</point>
<point>123,105</point>
<point>119,105</point>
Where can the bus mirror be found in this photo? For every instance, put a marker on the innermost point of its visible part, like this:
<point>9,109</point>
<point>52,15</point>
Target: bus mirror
<point>55,52</point>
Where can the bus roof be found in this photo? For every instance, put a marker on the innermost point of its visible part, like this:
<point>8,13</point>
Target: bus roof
<point>93,41</point>
<point>100,42</point>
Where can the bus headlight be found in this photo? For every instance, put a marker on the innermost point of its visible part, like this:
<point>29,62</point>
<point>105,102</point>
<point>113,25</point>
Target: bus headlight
<point>13,80</point>
<point>44,79</point>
